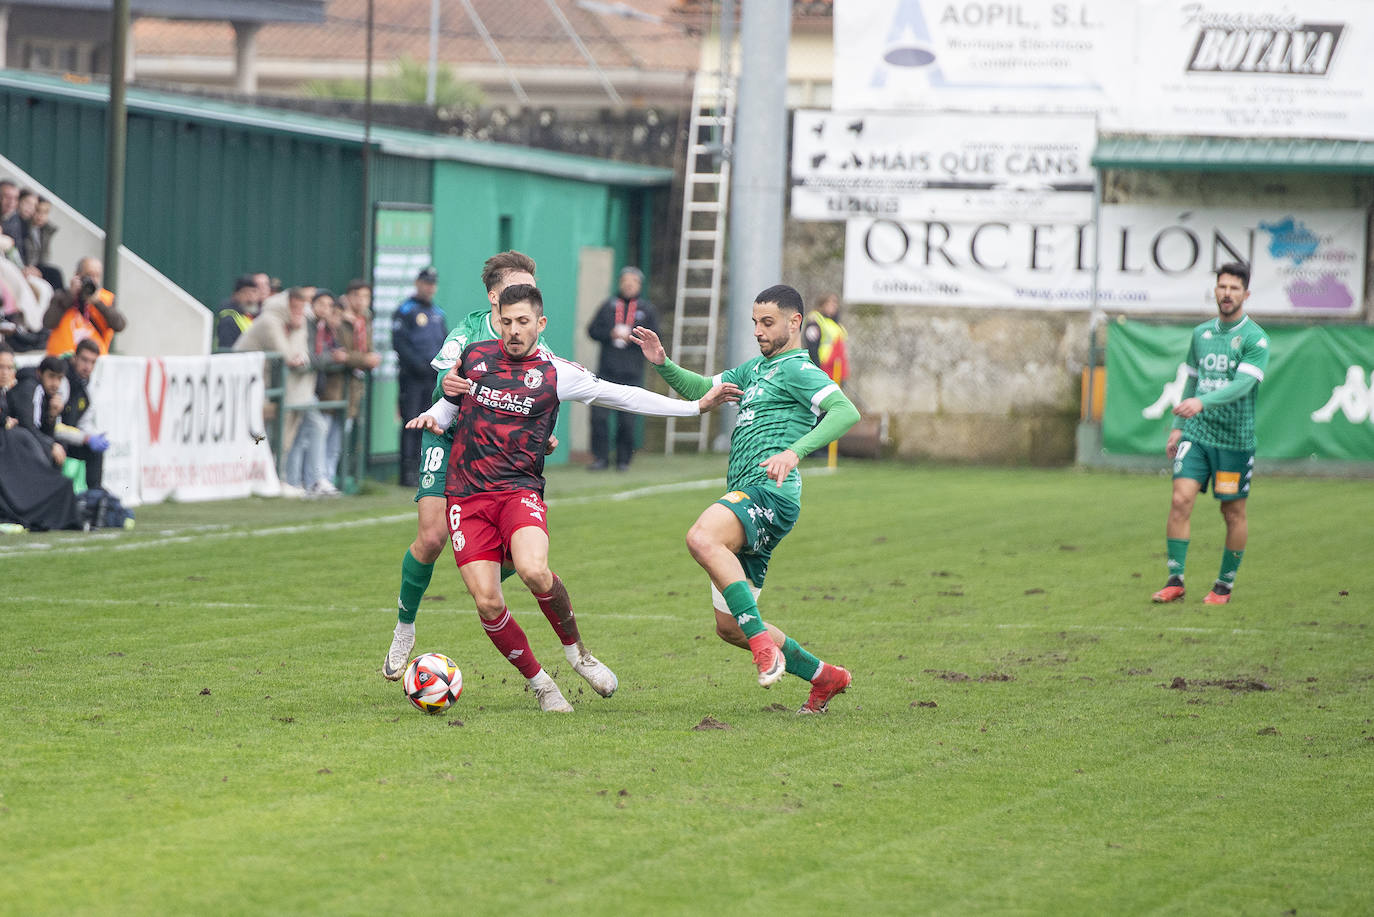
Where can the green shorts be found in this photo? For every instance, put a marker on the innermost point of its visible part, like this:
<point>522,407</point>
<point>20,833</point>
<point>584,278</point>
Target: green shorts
<point>1228,470</point>
<point>766,517</point>
<point>434,449</point>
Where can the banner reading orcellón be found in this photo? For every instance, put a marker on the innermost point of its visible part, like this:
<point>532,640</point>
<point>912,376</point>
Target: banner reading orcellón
<point>1154,259</point>
<point>1316,400</point>
<point>184,427</point>
<point>917,165</point>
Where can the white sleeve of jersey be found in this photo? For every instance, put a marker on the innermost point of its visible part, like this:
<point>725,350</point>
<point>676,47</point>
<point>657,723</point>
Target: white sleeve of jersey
<point>577,384</point>
<point>443,411</point>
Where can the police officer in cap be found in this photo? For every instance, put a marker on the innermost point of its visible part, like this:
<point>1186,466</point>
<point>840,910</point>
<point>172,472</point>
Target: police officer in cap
<point>417,333</point>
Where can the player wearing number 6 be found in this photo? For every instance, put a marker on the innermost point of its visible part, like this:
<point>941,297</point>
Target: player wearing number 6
<point>504,398</point>
<point>1213,435</point>
<point>785,395</point>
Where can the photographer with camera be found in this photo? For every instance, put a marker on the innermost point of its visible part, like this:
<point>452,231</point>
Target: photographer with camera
<point>83,311</point>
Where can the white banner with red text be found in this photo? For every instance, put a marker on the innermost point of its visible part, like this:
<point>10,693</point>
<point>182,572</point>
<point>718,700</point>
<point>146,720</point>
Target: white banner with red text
<point>184,428</point>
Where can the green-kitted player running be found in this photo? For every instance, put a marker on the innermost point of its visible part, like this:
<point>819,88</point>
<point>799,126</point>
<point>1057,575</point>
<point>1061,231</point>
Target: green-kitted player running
<point>784,394</point>
<point>1213,438</point>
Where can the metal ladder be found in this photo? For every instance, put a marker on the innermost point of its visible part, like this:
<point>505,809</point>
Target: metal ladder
<point>701,252</point>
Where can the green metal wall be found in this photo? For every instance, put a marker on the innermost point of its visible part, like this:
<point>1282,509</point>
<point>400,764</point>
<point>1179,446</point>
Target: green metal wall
<point>207,200</point>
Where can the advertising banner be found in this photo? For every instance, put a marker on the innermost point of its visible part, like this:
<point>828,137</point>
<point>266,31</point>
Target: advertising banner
<point>184,428</point>
<point>403,245</point>
<point>1154,259</point>
<point>1247,68</point>
<point>1316,400</point>
<point>932,55</point>
<point>1251,68</point>
<point>921,165</point>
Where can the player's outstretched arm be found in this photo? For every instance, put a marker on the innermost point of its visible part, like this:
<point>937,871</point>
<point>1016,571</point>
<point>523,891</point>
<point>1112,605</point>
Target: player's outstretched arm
<point>436,419</point>
<point>454,384</point>
<point>720,393</point>
<point>648,342</point>
<point>683,381</point>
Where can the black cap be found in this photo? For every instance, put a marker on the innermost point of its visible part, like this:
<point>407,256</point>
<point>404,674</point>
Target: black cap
<point>428,275</point>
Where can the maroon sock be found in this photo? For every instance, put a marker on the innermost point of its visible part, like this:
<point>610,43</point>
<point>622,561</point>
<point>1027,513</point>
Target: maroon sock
<point>512,643</point>
<point>557,607</point>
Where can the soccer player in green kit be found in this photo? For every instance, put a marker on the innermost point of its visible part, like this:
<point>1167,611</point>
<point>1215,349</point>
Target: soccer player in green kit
<point>733,538</point>
<point>1213,435</point>
<point>501,270</point>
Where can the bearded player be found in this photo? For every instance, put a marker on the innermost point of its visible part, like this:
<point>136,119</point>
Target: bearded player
<point>417,567</point>
<point>513,390</point>
<point>785,394</point>
<point>1213,435</point>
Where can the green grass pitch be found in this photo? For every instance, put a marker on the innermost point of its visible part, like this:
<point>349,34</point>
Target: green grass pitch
<point>192,718</point>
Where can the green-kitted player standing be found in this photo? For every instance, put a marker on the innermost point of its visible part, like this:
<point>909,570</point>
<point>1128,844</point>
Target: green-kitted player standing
<point>1213,436</point>
<point>784,395</point>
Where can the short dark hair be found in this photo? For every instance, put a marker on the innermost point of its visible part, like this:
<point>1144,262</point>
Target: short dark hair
<point>244,281</point>
<point>356,284</point>
<point>52,364</point>
<point>5,347</point>
<point>523,292</point>
<point>88,344</point>
<point>1236,269</point>
<point>499,265</point>
<point>786,298</point>
<point>321,293</point>
<point>298,293</point>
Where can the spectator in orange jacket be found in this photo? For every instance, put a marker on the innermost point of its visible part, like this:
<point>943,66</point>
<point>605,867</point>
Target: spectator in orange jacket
<point>84,310</point>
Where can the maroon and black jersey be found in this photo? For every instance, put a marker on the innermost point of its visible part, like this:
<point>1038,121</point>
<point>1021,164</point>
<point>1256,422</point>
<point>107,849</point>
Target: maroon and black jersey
<point>505,422</point>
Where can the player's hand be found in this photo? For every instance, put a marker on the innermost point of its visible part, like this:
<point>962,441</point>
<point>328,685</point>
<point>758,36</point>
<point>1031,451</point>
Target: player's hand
<point>1189,407</point>
<point>454,384</point>
<point>650,344</point>
<point>780,466</point>
<point>551,445</point>
<point>723,393</point>
<point>424,422</point>
<point>1171,450</point>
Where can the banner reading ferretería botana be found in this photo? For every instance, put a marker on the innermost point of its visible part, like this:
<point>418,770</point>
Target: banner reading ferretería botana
<point>1316,400</point>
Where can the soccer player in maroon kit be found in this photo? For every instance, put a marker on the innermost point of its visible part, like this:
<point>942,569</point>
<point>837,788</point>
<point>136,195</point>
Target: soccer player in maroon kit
<point>505,395</point>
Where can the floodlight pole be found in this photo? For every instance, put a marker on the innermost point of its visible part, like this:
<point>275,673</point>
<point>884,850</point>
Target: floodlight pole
<point>432,80</point>
<point>116,145</point>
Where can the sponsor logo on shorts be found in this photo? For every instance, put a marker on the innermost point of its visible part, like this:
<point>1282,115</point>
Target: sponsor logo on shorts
<point>735,496</point>
<point>1228,482</point>
<point>427,480</point>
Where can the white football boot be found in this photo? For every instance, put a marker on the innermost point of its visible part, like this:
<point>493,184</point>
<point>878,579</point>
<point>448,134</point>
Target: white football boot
<point>402,642</point>
<point>551,700</point>
<point>596,672</point>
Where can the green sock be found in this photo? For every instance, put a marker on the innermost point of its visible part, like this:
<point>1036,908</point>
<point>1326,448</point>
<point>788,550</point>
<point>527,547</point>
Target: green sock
<point>1230,563</point>
<point>740,601</point>
<point>1178,554</point>
<point>799,662</point>
<point>414,581</point>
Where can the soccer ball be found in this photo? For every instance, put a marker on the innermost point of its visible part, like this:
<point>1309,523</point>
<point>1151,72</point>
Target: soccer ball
<point>432,682</point>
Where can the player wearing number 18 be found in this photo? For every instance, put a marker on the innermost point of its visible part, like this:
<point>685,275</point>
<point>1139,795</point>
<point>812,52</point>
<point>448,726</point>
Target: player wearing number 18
<point>1213,435</point>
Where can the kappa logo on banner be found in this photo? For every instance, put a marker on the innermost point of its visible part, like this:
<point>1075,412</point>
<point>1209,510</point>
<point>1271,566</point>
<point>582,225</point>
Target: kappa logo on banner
<point>1354,398</point>
<point>1228,482</point>
<point>1169,396</point>
<point>155,396</point>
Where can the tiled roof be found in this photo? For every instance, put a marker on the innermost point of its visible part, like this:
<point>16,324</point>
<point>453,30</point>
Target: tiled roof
<point>527,33</point>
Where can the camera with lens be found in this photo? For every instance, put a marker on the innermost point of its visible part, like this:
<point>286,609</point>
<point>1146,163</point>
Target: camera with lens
<point>88,289</point>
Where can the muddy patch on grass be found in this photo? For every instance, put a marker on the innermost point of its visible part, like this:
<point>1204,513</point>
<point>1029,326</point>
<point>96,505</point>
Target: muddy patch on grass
<point>1230,684</point>
<point>946,675</point>
<point>710,722</point>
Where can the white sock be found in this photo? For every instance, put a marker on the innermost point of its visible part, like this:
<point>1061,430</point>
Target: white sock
<point>573,651</point>
<point>404,628</point>
<point>540,678</point>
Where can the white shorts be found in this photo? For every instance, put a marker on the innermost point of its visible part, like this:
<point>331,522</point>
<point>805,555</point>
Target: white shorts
<point>718,600</point>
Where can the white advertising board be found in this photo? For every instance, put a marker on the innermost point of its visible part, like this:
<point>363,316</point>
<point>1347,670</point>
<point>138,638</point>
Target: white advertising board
<point>1154,259</point>
<point>1249,68</point>
<point>184,427</point>
<point>919,165</point>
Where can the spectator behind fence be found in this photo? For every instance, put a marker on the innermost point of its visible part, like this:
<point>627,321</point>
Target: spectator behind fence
<point>21,320</point>
<point>31,403</point>
<point>417,332</point>
<point>42,231</point>
<point>77,429</point>
<point>280,328</point>
<point>357,303</point>
<point>826,338</point>
<point>10,222</point>
<point>237,312</point>
<point>621,361</point>
<point>85,310</point>
<point>33,493</point>
<point>331,337</point>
